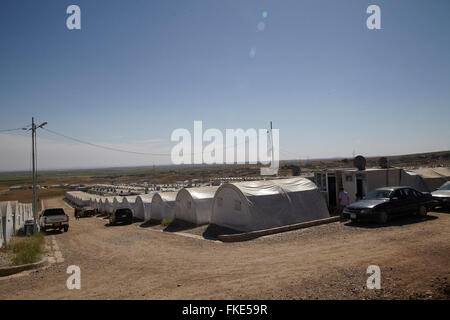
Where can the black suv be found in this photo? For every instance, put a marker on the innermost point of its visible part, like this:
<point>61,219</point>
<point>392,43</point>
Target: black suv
<point>121,215</point>
<point>383,203</point>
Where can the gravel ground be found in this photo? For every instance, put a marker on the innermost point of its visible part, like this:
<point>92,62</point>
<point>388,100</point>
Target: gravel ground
<point>323,262</point>
<point>5,258</point>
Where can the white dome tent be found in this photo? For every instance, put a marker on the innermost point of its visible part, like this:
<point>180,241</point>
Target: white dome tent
<point>130,202</point>
<point>163,205</point>
<point>143,207</point>
<point>96,204</point>
<point>79,198</point>
<point>101,205</point>
<point>118,203</point>
<point>95,200</point>
<point>109,205</point>
<point>258,205</point>
<point>194,205</point>
<point>1,228</point>
<point>7,216</point>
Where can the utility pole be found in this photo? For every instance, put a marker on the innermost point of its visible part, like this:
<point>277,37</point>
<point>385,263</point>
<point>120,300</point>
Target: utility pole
<point>34,156</point>
<point>271,141</point>
<point>33,146</point>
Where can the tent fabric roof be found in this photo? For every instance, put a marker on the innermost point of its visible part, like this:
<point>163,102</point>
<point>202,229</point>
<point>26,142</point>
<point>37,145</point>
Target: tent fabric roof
<point>438,172</point>
<point>130,199</point>
<point>201,192</point>
<point>145,198</point>
<point>168,196</point>
<point>257,205</point>
<point>271,187</point>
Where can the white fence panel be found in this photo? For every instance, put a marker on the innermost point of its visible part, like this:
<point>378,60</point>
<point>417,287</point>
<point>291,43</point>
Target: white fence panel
<point>1,228</point>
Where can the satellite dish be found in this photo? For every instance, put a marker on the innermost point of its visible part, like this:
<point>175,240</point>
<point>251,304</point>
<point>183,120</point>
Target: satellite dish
<point>383,163</point>
<point>360,162</point>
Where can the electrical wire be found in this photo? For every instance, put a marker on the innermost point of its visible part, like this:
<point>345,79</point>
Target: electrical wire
<point>104,147</point>
<point>15,129</point>
<point>121,150</point>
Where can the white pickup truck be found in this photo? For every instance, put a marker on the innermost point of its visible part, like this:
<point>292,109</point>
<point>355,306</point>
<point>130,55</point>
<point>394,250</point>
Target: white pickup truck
<point>54,219</point>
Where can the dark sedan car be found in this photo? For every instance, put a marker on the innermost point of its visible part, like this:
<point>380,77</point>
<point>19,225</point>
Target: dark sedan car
<point>383,203</point>
<point>442,195</point>
<point>121,215</point>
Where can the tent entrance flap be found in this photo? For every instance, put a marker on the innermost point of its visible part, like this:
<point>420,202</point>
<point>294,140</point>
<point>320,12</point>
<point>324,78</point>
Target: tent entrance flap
<point>332,199</point>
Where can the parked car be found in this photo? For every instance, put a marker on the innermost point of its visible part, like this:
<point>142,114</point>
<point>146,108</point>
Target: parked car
<point>121,215</point>
<point>442,195</point>
<point>384,203</point>
<point>54,218</point>
<point>84,212</point>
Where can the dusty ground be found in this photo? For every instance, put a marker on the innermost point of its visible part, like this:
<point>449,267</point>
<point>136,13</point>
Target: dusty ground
<point>5,258</point>
<point>324,262</point>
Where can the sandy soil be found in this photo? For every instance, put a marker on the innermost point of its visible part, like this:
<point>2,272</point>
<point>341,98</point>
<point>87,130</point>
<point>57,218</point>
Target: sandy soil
<point>5,258</point>
<point>323,262</point>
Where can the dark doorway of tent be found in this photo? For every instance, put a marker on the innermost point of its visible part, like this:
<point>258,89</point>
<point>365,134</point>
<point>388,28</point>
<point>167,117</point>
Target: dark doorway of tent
<point>359,189</point>
<point>332,199</point>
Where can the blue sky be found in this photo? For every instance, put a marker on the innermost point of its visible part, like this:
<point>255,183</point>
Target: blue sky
<point>137,70</point>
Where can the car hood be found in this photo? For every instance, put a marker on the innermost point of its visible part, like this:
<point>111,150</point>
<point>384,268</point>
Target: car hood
<point>441,193</point>
<point>366,204</point>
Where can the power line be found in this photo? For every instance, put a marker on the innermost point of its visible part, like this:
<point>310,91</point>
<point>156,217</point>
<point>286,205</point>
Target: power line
<point>104,147</point>
<point>118,149</point>
<point>15,129</point>
<point>290,153</point>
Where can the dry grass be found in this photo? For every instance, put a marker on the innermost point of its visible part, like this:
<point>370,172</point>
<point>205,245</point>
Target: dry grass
<point>27,249</point>
<point>167,221</point>
<point>26,196</point>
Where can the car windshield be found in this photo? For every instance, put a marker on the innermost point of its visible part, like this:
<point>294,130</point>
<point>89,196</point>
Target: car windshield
<point>122,211</point>
<point>445,186</point>
<point>53,212</point>
<point>377,194</point>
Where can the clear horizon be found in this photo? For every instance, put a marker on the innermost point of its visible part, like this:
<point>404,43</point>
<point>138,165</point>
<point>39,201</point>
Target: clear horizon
<point>137,71</point>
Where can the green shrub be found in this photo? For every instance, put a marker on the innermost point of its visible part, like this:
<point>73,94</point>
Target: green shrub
<point>166,222</point>
<point>28,249</point>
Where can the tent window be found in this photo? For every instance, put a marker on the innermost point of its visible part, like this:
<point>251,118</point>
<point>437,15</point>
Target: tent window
<point>220,202</point>
<point>237,205</point>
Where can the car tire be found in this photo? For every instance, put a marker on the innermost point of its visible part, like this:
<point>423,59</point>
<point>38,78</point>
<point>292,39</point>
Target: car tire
<point>382,217</point>
<point>66,228</point>
<point>354,220</point>
<point>422,212</point>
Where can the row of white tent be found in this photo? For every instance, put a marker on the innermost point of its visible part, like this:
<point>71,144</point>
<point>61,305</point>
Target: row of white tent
<point>13,215</point>
<point>243,206</point>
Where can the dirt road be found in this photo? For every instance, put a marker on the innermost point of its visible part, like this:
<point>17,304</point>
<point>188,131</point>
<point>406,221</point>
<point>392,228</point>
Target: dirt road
<point>323,262</point>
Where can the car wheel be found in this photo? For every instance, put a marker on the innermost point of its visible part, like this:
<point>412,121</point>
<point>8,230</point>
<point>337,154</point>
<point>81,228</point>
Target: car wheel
<point>354,220</point>
<point>383,217</point>
<point>66,228</point>
<point>422,211</point>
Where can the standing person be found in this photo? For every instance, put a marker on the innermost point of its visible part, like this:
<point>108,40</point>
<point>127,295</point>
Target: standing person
<point>344,200</point>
